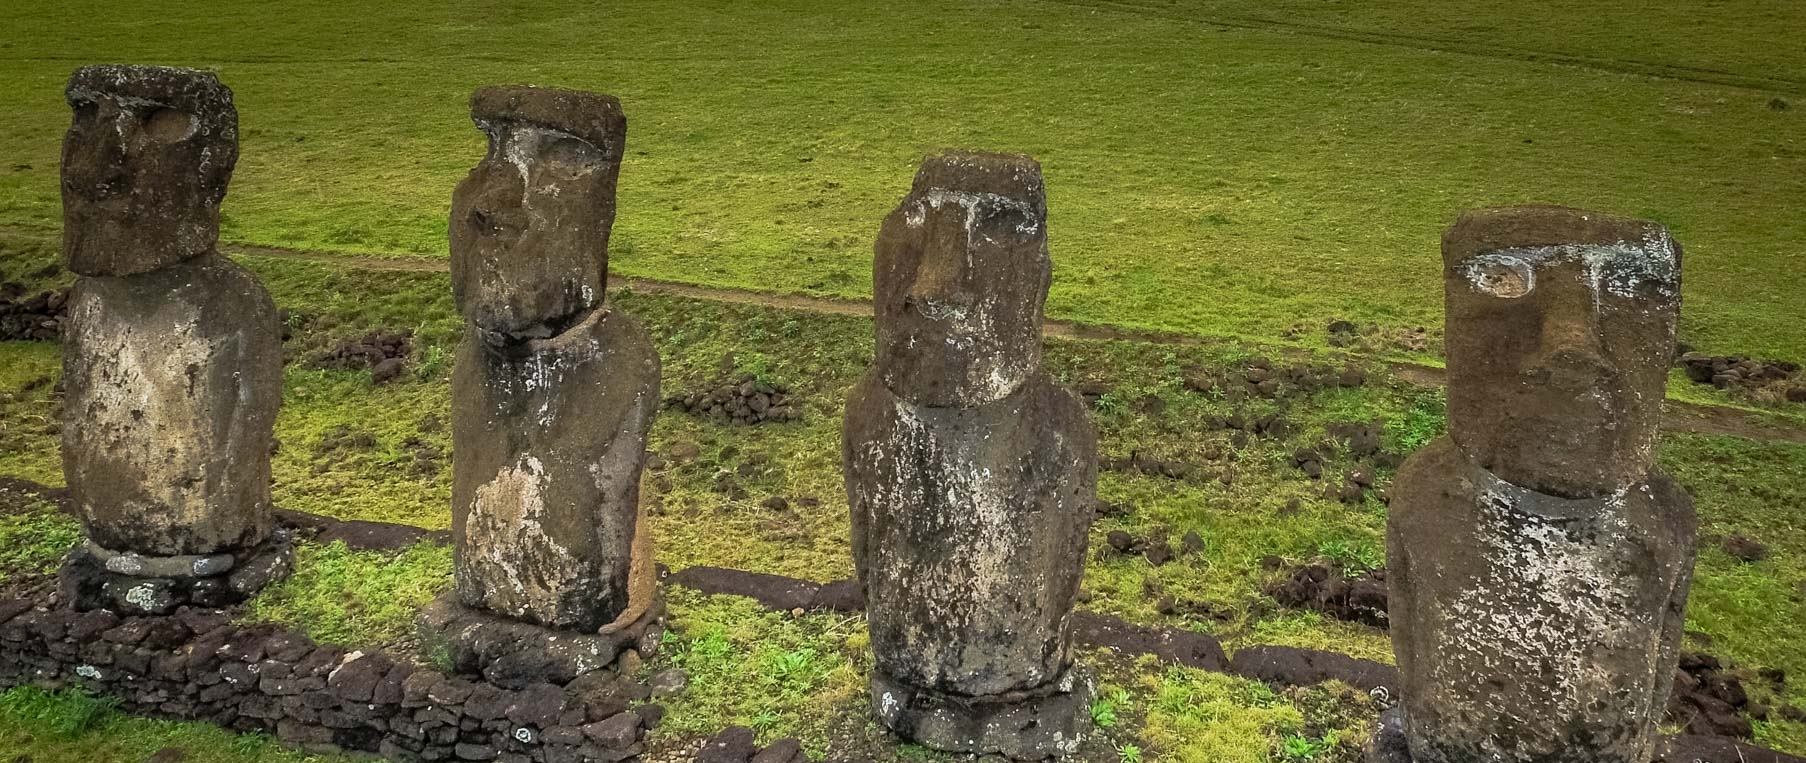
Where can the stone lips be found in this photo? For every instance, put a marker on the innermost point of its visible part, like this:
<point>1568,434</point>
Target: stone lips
<point>173,379</point>
<point>545,493</point>
<point>1560,333</point>
<point>1536,627</point>
<point>146,162</point>
<point>961,272</point>
<point>530,224</point>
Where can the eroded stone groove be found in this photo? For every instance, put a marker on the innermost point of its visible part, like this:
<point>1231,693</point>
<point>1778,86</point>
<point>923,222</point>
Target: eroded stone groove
<point>172,358</point>
<point>971,474</point>
<point>553,394</point>
<point>1539,562</point>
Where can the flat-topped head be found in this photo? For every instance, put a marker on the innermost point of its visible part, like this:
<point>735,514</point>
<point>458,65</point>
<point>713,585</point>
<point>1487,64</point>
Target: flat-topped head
<point>146,162</point>
<point>960,277</point>
<point>530,224</point>
<point>1560,329</point>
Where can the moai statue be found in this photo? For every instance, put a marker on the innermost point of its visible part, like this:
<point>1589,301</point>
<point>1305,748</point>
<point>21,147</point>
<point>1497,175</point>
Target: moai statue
<point>971,474</point>
<point>1539,560</point>
<point>553,396</point>
<point>172,362</point>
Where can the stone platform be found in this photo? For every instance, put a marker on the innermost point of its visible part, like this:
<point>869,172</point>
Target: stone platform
<point>1034,725</point>
<point>93,577</point>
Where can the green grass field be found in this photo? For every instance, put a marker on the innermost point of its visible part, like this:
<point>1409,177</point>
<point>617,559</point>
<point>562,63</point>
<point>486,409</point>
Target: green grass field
<point>1230,168</point>
<point>802,676</point>
<point>1203,179</point>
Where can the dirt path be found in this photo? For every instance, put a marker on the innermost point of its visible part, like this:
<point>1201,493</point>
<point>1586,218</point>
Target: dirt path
<point>1677,416</point>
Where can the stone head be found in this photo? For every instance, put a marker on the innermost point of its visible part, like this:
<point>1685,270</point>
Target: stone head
<point>530,224</point>
<point>145,166</point>
<point>960,278</point>
<point>1560,327</point>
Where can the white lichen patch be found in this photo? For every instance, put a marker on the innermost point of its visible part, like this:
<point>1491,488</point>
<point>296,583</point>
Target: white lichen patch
<point>148,410</point>
<point>985,205</point>
<point>963,588</point>
<point>507,545</point>
<point>143,597</point>
<point>1559,593</point>
<point>1649,268</point>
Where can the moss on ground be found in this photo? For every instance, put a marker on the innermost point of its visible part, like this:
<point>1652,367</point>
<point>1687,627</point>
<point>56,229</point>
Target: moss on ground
<point>356,450</point>
<point>34,537</point>
<point>779,674</point>
<point>70,726</point>
<point>356,598</point>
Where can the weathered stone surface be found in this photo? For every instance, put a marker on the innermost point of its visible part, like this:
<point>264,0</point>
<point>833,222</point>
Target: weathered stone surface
<point>960,277</point>
<point>970,473</point>
<point>549,447</point>
<point>1538,565</point>
<point>516,655</point>
<point>1560,332</point>
<point>173,379</point>
<point>969,528</point>
<point>734,744</point>
<point>530,225</point>
<point>1050,721</point>
<point>145,165</point>
<point>86,581</point>
<point>553,393</point>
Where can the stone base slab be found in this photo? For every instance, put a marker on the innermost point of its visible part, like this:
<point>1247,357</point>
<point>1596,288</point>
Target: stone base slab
<point>93,577</point>
<point>1033,725</point>
<point>514,654</point>
<point>1388,743</point>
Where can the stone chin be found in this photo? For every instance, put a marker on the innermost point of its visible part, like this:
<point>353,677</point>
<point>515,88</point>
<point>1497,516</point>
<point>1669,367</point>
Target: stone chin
<point>115,236</point>
<point>1573,437</point>
<point>939,369</point>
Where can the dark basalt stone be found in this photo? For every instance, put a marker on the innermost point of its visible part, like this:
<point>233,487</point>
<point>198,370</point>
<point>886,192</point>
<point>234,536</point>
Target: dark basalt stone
<point>969,529</point>
<point>1560,333</point>
<point>530,225</point>
<point>553,394</point>
<point>971,475</point>
<point>1292,666</point>
<point>546,478</point>
<point>87,583</point>
<point>961,274</point>
<point>517,655</point>
<point>1033,724</point>
<point>1538,564</point>
<point>172,380</point>
<point>146,162</point>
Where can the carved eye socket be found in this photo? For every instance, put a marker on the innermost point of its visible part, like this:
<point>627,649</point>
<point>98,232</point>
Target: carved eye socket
<point>1501,276</point>
<point>85,110</point>
<point>167,125</point>
<point>571,156</point>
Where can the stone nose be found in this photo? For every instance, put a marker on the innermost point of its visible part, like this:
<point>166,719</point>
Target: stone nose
<point>937,281</point>
<point>99,168</point>
<point>1570,334</point>
<point>499,206</point>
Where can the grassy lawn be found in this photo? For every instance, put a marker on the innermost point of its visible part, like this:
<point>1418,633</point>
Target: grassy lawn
<point>1203,179</point>
<point>1239,168</point>
<point>351,449</point>
<point>1755,42</point>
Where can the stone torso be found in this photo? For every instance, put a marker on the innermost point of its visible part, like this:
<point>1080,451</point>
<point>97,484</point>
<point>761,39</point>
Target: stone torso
<point>545,498</point>
<point>1534,627</point>
<point>969,529</point>
<point>173,380</point>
